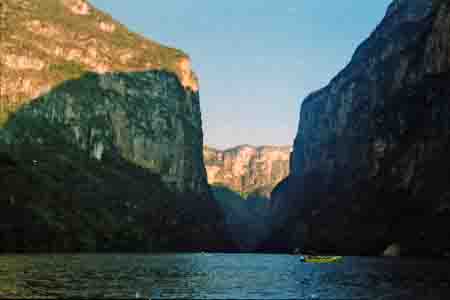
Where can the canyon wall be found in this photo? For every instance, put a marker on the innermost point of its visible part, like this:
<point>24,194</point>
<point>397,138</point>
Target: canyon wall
<point>115,108</point>
<point>370,165</point>
<point>242,179</point>
<point>148,118</point>
<point>247,169</point>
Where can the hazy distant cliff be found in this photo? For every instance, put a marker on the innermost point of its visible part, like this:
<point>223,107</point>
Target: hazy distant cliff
<point>248,169</point>
<point>370,165</point>
<point>79,85</point>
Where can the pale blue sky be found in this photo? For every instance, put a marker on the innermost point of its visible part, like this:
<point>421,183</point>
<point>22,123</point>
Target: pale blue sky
<point>256,59</point>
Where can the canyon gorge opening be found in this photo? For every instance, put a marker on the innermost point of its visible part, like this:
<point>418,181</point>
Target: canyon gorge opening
<point>103,107</point>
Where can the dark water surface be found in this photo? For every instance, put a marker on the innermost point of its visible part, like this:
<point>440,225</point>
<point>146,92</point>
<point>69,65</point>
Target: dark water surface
<point>221,276</point>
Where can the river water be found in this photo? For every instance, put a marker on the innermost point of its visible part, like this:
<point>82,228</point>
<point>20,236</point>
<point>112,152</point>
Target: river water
<point>221,276</point>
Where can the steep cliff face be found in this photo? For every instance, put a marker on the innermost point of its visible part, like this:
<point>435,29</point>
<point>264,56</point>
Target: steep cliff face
<point>147,118</point>
<point>247,169</point>
<point>75,80</point>
<point>369,166</point>
<point>151,117</point>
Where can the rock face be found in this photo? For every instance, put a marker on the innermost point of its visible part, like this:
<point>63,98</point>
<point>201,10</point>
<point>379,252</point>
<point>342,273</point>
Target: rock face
<point>247,169</point>
<point>370,162</point>
<point>45,43</point>
<point>242,179</point>
<point>146,107</point>
<point>148,118</point>
<point>74,79</point>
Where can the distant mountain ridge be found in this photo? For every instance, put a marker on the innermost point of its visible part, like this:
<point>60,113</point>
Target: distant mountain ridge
<point>248,169</point>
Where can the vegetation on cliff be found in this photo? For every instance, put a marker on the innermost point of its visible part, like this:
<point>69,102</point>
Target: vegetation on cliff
<point>101,137</point>
<point>46,42</point>
<point>54,200</point>
<point>247,221</point>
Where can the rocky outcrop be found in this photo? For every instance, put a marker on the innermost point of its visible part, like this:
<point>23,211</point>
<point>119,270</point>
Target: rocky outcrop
<point>247,169</point>
<point>76,81</point>
<point>370,163</point>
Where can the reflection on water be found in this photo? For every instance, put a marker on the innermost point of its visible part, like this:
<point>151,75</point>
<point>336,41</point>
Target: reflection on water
<point>220,276</point>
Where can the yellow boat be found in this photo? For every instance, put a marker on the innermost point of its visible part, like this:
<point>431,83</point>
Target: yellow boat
<point>320,259</point>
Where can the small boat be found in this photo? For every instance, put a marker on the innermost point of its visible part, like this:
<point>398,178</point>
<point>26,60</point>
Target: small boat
<point>320,259</point>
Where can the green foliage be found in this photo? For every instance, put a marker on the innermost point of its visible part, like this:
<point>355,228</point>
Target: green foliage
<point>6,109</point>
<point>4,115</point>
<point>55,13</point>
<point>68,70</point>
<point>55,198</point>
<point>220,189</point>
<point>67,32</point>
<point>244,195</point>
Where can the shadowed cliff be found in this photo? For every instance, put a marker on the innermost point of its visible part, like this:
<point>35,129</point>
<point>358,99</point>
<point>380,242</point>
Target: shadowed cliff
<point>247,221</point>
<point>102,139</point>
<point>369,167</point>
<point>108,163</point>
<point>241,180</point>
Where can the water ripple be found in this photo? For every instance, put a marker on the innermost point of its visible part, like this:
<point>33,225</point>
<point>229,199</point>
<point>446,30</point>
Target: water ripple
<point>220,276</point>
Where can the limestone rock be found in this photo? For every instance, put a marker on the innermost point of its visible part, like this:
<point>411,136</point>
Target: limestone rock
<point>49,42</point>
<point>247,169</point>
<point>145,104</point>
<point>78,7</point>
<point>147,118</point>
